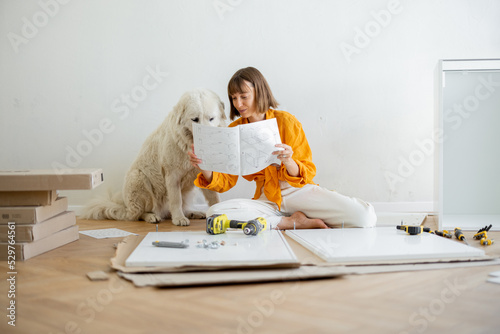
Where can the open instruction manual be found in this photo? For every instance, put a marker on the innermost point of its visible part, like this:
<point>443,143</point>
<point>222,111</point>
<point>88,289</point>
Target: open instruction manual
<point>240,150</point>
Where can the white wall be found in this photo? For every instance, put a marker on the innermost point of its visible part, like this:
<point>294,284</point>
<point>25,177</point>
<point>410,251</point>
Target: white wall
<point>360,75</point>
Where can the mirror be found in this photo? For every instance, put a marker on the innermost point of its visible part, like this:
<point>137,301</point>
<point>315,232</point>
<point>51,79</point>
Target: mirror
<point>469,161</point>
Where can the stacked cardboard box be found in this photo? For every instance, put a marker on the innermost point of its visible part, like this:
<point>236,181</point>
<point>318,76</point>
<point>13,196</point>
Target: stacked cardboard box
<point>33,219</point>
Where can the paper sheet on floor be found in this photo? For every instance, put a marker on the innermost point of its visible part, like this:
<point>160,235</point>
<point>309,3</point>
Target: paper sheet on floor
<point>107,233</point>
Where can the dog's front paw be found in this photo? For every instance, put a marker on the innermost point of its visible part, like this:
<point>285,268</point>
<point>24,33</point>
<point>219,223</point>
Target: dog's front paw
<point>180,221</point>
<point>196,215</point>
<point>151,218</point>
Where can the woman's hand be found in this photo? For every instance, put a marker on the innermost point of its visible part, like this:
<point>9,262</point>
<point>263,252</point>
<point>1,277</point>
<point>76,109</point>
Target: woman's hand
<point>285,156</point>
<point>195,161</point>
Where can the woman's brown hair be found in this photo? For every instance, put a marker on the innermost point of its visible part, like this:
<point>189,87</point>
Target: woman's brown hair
<point>263,95</point>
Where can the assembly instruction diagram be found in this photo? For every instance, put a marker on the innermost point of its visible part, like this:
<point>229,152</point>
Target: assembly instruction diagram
<point>240,150</point>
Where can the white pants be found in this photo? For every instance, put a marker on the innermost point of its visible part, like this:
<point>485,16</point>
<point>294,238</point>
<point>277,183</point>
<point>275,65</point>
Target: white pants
<point>314,201</point>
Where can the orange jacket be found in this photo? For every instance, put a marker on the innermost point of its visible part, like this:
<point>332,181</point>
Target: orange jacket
<point>292,134</point>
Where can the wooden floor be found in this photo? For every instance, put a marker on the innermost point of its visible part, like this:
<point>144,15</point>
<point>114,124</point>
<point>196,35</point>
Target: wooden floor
<point>53,295</point>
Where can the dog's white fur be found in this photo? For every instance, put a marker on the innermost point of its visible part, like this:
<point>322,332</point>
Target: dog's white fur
<point>160,179</point>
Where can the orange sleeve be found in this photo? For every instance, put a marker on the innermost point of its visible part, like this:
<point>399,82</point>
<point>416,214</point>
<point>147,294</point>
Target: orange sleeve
<point>220,182</point>
<point>292,134</point>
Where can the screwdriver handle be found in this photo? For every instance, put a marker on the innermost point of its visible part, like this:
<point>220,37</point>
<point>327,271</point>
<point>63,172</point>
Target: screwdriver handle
<point>459,234</point>
<point>443,234</point>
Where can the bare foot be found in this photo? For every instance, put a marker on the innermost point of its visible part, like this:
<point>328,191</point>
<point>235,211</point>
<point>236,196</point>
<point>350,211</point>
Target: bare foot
<point>301,221</point>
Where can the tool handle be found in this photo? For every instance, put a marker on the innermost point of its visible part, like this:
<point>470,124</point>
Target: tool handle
<point>237,223</point>
<point>170,244</point>
<point>459,234</point>
<point>443,234</point>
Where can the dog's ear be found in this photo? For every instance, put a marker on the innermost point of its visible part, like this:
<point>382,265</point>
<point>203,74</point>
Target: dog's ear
<point>221,105</point>
<point>179,110</point>
<point>180,115</point>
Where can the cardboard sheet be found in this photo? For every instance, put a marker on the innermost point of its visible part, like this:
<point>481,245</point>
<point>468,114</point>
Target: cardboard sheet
<point>287,274</point>
<point>310,267</point>
<point>233,276</point>
<point>389,268</point>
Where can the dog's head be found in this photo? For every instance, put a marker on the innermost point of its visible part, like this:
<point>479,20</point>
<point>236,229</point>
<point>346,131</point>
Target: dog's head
<point>200,106</point>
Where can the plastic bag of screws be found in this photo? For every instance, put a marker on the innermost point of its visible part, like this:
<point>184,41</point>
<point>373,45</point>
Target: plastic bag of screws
<point>210,245</point>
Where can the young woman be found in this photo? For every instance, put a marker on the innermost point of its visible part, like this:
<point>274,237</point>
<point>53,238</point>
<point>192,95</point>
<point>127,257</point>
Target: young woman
<point>285,195</point>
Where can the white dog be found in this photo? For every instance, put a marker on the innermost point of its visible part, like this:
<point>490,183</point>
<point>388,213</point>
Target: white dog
<point>161,177</point>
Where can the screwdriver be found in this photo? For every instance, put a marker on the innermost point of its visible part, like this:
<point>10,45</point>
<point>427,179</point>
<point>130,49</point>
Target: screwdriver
<point>443,233</point>
<point>460,235</point>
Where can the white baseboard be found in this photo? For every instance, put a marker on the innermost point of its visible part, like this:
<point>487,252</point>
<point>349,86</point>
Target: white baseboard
<point>405,207</point>
<point>76,208</point>
<point>380,207</point>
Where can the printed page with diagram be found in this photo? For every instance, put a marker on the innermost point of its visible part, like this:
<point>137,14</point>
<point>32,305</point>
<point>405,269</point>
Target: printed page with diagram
<point>257,142</point>
<point>218,148</point>
<point>241,150</point>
